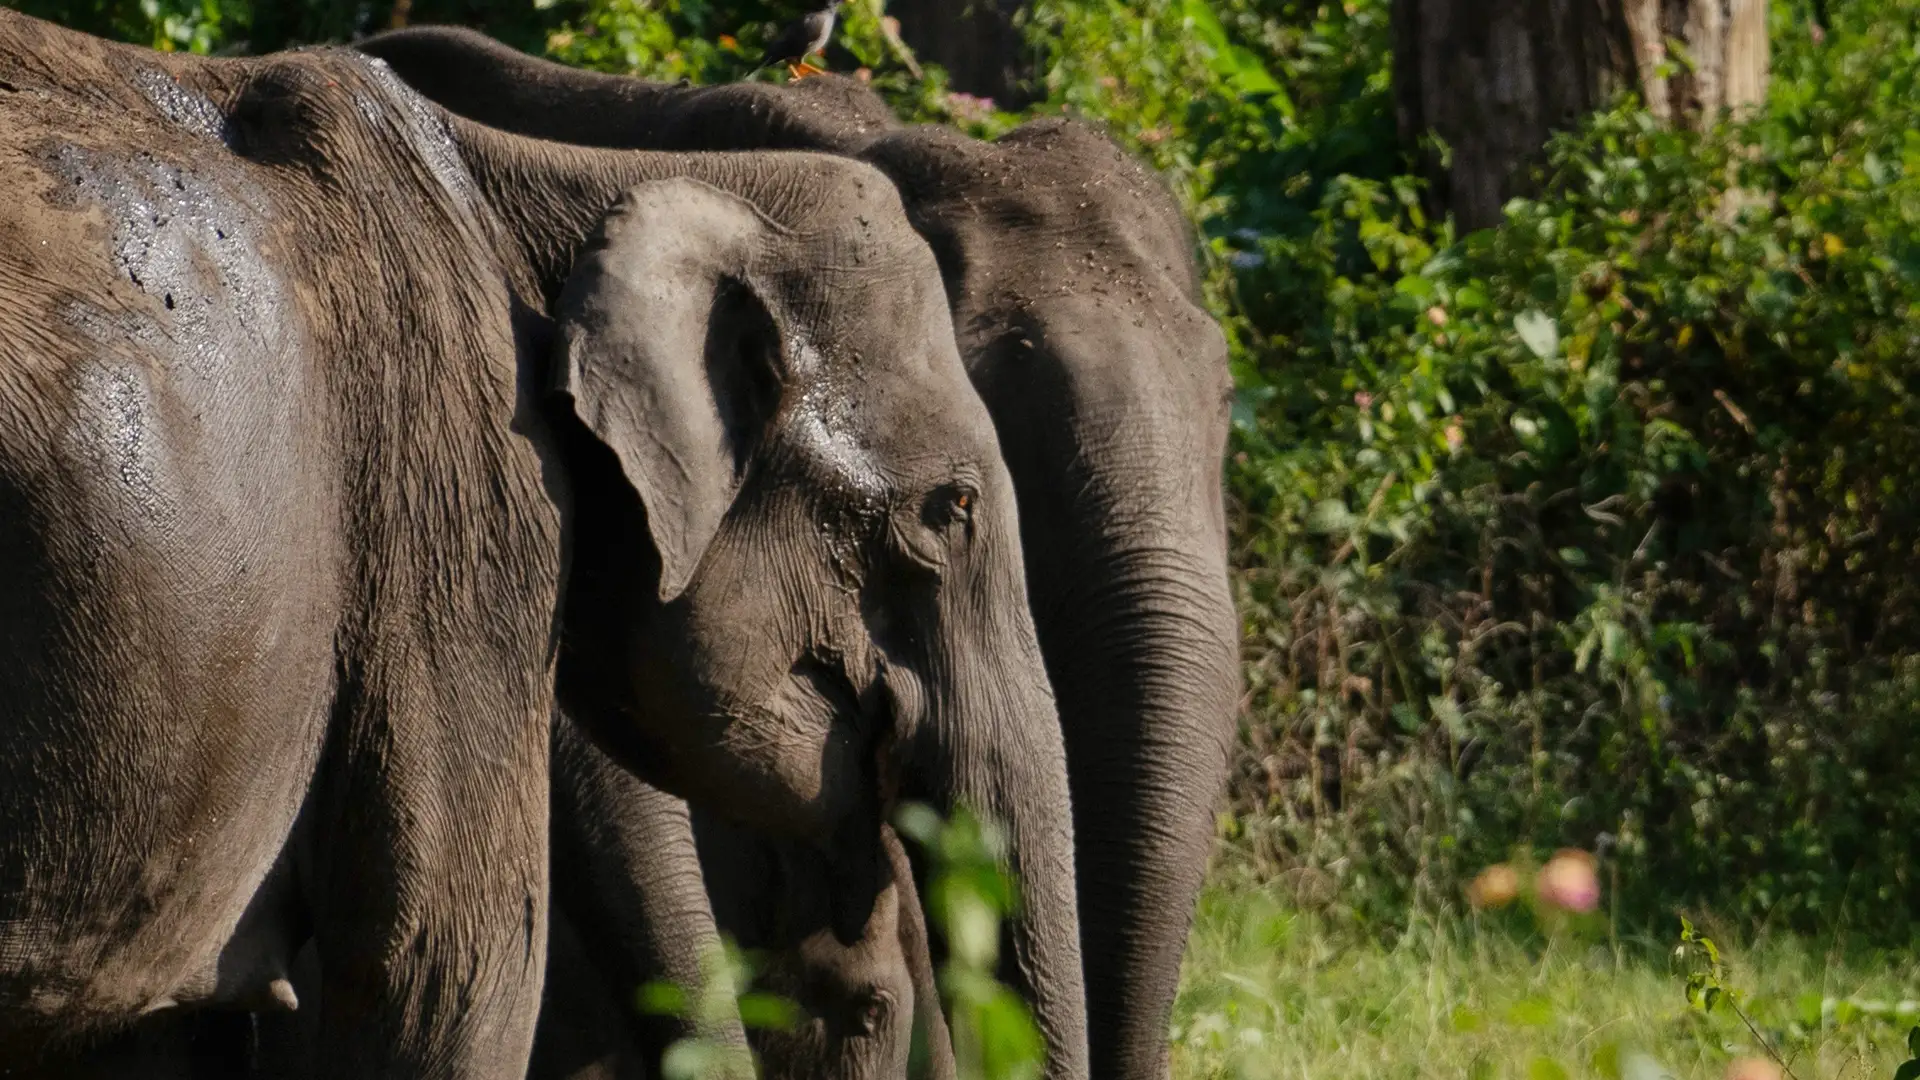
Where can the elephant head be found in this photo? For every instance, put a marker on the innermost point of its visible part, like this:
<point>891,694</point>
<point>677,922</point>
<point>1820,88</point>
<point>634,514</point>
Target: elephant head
<point>861,1007</point>
<point>795,589</point>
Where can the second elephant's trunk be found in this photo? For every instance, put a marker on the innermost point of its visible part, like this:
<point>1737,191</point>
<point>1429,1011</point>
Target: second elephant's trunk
<point>1148,699</point>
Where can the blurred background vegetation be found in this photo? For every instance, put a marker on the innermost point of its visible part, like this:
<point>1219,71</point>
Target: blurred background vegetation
<point>1597,527</point>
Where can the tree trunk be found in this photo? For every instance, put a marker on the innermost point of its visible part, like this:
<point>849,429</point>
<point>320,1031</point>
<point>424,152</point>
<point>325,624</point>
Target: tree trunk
<point>1492,78</point>
<point>975,40</point>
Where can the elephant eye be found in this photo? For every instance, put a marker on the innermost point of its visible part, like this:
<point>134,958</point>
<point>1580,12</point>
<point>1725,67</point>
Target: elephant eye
<point>871,1014</point>
<point>950,505</point>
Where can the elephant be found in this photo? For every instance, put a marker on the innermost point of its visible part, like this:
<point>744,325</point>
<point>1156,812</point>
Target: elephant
<point>1070,277</point>
<point>626,861</point>
<point>342,438</point>
<point>630,859</point>
<point>862,1007</point>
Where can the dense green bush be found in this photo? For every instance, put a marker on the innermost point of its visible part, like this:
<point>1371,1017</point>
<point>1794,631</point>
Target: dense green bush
<point>1591,529</point>
<point>1596,528</point>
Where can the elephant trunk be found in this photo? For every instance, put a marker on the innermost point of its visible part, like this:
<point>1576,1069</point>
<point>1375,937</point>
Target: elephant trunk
<point>997,750</point>
<point>930,1024</point>
<point>1142,654</point>
<point>626,874</point>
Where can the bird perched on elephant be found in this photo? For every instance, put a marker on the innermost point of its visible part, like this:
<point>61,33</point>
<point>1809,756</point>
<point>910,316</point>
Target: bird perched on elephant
<point>340,438</point>
<point>1070,276</point>
<point>806,36</point>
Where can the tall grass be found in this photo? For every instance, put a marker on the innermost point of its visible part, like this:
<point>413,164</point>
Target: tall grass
<point>1283,983</point>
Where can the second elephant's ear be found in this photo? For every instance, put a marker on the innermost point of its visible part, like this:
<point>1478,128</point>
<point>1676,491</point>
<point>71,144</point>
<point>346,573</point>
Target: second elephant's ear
<point>672,358</point>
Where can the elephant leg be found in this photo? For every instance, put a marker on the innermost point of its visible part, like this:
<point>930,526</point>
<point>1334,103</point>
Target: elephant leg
<point>585,1025</point>
<point>428,886</point>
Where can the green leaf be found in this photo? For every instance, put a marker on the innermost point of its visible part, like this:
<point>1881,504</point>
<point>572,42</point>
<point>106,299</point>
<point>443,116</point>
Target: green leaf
<point>1913,1041</point>
<point>661,998</point>
<point>1606,1060</point>
<point>1545,1068</point>
<point>1204,24</point>
<point>1448,713</point>
<point>690,1059</point>
<point>1877,170</point>
<point>769,1011</point>
<point>1909,1070</point>
<point>1533,1012</point>
<point>1613,641</point>
<point>1538,332</point>
<point>1330,516</point>
<point>973,929</point>
<point>1415,286</point>
<point>919,821</point>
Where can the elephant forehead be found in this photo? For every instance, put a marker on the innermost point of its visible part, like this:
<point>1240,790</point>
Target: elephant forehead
<point>824,425</point>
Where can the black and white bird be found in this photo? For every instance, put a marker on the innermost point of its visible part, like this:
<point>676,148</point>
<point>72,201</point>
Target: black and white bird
<point>803,37</point>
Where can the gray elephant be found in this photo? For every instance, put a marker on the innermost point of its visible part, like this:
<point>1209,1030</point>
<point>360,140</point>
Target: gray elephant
<point>1070,277</point>
<point>626,865</point>
<point>862,1006</point>
<point>630,860</point>
<point>341,437</point>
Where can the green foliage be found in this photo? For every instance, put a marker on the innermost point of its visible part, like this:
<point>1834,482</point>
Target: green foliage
<point>706,1055</point>
<point>674,39</point>
<point>968,895</point>
<point>1595,528</point>
<point>1706,974</point>
<point>1283,980</point>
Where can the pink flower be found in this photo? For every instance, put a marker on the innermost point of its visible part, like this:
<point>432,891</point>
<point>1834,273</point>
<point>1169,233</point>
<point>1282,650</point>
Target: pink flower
<point>969,107</point>
<point>1363,399</point>
<point>1456,436</point>
<point>1568,881</point>
<point>1437,315</point>
<point>1496,887</point>
<point>1752,1068</point>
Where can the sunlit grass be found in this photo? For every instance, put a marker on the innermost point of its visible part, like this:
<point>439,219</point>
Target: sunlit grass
<point>1272,991</point>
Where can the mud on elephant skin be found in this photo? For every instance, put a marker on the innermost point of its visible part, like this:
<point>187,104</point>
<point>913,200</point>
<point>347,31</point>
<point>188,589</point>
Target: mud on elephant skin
<point>1070,276</point>
<point>308,393</point>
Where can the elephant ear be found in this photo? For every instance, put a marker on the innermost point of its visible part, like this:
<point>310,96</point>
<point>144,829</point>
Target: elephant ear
<point>672,357</point>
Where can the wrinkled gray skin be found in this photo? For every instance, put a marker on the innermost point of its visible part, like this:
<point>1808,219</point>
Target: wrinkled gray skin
<point>1070,277</point>
<point>308,394</point>
<point>859,1004</point>
<point>626,862</point>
